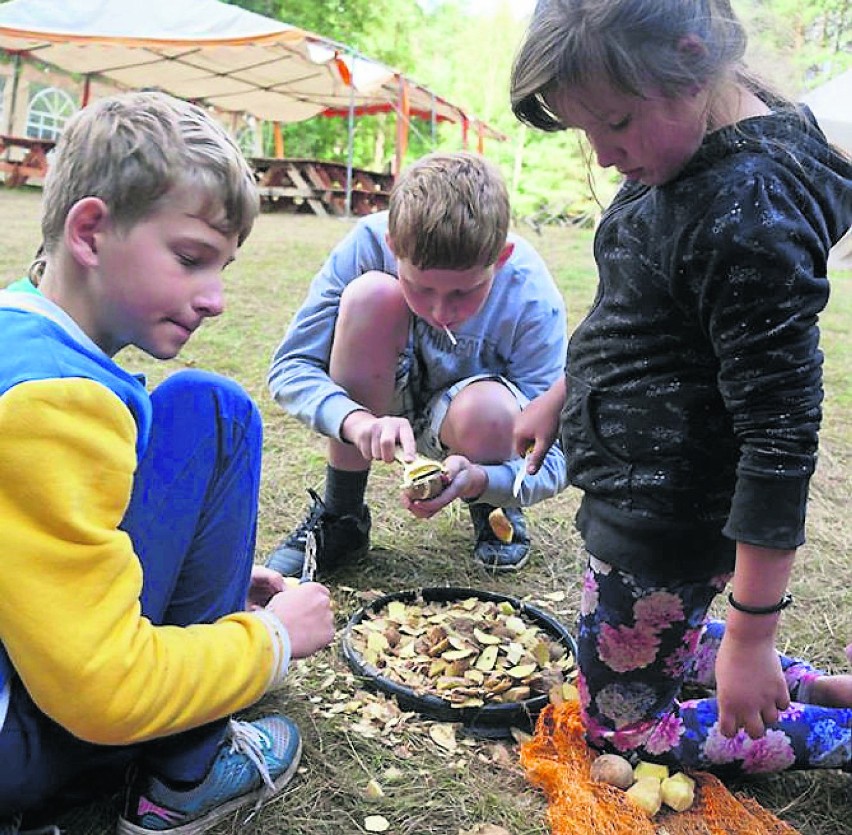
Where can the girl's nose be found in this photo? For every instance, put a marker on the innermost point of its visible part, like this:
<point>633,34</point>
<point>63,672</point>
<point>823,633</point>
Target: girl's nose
<point>607,154</point>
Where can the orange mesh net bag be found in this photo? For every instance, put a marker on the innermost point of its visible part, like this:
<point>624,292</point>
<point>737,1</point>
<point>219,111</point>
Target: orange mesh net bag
<point>558,760</point>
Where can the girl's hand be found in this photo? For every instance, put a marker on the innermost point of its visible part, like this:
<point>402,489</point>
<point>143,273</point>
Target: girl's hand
<point>750,687</point>
<point>263,585</point>
<point>537,426</point>
<point>464,480</point>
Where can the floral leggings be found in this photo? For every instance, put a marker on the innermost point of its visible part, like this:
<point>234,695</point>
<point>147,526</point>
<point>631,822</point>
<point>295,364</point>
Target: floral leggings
<point>639,644</point>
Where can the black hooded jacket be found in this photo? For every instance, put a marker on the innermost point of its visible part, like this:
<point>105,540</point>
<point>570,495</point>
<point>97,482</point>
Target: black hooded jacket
<point>694,385</point>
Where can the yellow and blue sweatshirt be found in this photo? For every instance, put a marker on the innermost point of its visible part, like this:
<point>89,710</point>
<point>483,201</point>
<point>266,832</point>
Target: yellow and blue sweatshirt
<point>72,427</point>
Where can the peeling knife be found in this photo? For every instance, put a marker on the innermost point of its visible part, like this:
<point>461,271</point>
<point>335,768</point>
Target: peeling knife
<point>522,473</point>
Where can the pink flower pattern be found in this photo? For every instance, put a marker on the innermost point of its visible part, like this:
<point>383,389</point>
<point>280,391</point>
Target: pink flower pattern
<point>589,594</point>
<point>624,648</point>
<point>666,735</point>
<point>772,752</point>
<point>657,610</point>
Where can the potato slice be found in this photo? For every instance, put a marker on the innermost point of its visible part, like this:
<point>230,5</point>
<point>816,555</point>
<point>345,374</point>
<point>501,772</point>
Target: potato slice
<point>501,525</point>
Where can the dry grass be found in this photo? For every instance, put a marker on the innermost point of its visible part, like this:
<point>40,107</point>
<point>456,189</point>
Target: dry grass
<point>350,737</point>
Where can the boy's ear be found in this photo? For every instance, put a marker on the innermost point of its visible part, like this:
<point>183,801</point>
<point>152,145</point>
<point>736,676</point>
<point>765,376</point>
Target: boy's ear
<point>86,219</point>
<point>504,256</point>
<point>389,242</point>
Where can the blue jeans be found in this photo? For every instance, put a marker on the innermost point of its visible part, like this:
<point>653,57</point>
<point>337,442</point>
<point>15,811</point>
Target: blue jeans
<point>641,641</point>
<point>192,518</point>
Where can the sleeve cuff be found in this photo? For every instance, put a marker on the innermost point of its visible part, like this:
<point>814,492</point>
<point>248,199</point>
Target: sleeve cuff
<point>769,513</point>
<point>280,639</point>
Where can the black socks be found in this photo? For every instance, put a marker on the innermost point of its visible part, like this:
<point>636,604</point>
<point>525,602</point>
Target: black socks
<point>344,491</point>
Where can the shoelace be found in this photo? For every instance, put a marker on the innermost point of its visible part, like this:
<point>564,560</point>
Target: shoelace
<point>246,739</point>
<point>307,525</point>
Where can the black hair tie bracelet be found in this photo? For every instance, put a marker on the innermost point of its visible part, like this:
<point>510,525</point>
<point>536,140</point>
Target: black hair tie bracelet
<point>783,603</point>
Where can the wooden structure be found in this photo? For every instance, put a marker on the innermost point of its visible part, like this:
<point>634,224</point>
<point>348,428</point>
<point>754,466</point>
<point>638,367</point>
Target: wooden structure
<point>309,185</point>
<point>22,157</point>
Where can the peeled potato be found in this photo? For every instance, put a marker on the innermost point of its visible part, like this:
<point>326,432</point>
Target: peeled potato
<point>647,795</point>
<point>643,769</point>
<point>678,792</point>
<point>423,479</point>
<point>501,526</point>
<point>612,769</point>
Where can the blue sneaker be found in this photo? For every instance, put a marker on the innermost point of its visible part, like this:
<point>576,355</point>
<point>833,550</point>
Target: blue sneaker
<point>255,761</point>
<point>488,550</point>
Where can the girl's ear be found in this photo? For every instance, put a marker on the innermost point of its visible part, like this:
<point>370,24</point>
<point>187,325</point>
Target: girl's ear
<point>504,256</point>
<point>85,221</point>
<point>692,50</point>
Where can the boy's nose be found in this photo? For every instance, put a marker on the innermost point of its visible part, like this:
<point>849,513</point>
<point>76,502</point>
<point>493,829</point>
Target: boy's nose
<point>211,300</point>
<point>442,312</point>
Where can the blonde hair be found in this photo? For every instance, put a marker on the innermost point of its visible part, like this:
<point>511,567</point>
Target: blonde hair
<point>449,211</point>
<point>131,150</point>
<point>634,45</point>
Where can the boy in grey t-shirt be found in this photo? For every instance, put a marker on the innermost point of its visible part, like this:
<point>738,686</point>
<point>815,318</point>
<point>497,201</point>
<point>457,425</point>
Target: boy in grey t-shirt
<point>428,328</point>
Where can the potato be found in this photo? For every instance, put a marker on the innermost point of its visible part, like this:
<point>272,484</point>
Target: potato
<point>612,769</point>
<point>643,769</point>
<point>501,525</point>
<point>678,792</point>
<point>647,795</point>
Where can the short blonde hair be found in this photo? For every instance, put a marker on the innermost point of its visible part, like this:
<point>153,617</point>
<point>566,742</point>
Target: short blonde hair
<point>449,211</point>
<point>131,150</point>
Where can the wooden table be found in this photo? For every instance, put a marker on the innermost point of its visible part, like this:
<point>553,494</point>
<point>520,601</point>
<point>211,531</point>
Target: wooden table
<point>318,186</point>
<point>22,157</point>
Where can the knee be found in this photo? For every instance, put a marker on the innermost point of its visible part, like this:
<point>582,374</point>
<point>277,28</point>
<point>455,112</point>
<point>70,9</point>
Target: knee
<point>480,422</point>
<point>375,299</point>
<point>205,397</point>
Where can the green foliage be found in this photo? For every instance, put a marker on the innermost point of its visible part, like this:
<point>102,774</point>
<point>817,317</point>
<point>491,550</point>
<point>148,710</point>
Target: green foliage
<point>466,59</point>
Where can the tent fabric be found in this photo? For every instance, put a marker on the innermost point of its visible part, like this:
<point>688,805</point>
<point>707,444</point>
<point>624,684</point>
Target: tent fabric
<point>232,59</point>
<point>831,103</point>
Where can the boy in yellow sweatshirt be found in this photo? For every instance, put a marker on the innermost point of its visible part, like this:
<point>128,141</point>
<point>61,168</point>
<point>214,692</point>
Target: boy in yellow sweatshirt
<point>133,622</point>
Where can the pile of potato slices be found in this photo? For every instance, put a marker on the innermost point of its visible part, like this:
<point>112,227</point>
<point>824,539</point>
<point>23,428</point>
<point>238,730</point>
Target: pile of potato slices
<point>469,652</point>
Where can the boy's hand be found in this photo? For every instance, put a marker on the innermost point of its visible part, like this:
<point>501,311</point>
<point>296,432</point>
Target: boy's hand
<point>377,438</point>
<point>305,611</point>
<point>537,426</point>
<point>465,480</point>
<point>263,585</point>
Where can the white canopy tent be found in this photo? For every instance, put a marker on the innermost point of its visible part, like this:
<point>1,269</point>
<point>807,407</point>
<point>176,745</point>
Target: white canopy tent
<point>212,52</point>
<point>831,103</point>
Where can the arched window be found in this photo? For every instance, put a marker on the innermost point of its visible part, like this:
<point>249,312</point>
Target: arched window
<point>49,110</point>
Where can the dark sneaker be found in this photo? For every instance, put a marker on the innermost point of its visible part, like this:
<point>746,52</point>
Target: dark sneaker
<point>14,826</point>
<point>255,761</point>
<point>490,551</point>
<point>339,539</point>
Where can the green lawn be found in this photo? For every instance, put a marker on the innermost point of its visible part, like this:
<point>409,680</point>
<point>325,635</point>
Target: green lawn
<point>352,737</point>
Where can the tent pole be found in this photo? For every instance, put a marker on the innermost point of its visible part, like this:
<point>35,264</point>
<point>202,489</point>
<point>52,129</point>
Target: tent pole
<point>433,123</point>
<point>350,147</point>
<point>16,77</point>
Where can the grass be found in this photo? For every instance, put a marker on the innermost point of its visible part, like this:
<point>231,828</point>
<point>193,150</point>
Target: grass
<point>351,736</point>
